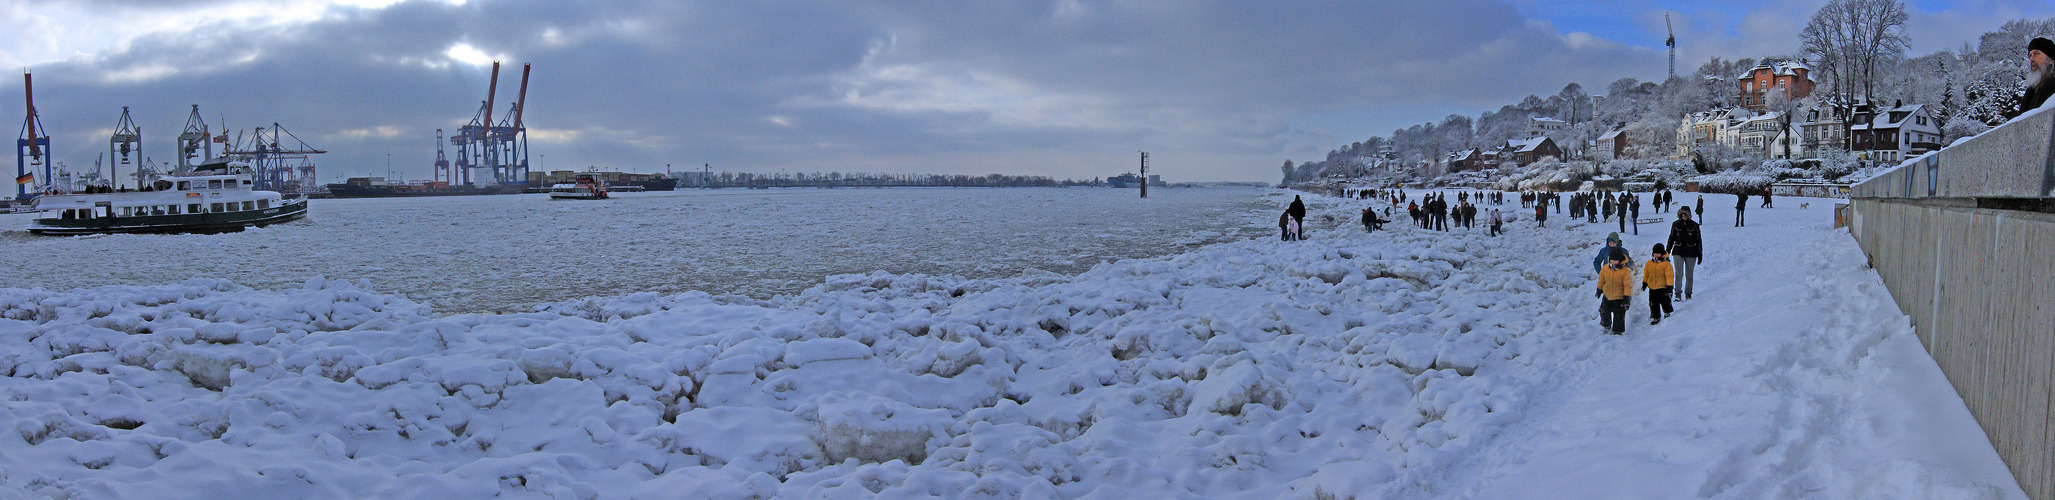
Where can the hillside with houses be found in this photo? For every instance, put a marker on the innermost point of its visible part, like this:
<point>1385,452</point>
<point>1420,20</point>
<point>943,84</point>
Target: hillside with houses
<point>1825,114</point>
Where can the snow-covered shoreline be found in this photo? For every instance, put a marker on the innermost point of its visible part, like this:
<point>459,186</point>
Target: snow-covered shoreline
<point>1403,364</point>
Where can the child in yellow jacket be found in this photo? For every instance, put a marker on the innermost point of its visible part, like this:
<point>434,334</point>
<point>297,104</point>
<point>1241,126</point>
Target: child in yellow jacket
<point>1615,286</point>
<point>1657,277</point>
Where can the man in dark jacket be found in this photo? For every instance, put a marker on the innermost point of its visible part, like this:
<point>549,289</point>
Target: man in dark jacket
<point>1634,212</point>
<point>1686,251</point>
<point>2040,78</point>
<point>1298,214</point>
<point>1740,210</point>
<point>1700,210</point>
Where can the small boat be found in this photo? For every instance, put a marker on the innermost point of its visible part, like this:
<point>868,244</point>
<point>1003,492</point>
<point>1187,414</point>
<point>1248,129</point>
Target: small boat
<point>214,197</point>
<point>586,187</point>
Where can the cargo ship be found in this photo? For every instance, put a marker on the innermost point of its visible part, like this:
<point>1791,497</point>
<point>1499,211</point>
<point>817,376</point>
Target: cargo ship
<point>376,187</point>
<point>653,183</point>
<point>1127,180</point>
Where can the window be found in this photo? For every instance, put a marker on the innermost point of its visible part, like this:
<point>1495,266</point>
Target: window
<point>215,208</point>
<point>246,182</point>
<point>263,204</point>
<point>184,185</point>
<point>249,205</point>
<point>159,210</point>
<point>193,208</point>
<point>213,183</point>
<point>171,210</point>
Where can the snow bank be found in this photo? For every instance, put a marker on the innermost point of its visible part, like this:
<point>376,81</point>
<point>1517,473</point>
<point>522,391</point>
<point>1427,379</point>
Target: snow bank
<point>1343,366</point>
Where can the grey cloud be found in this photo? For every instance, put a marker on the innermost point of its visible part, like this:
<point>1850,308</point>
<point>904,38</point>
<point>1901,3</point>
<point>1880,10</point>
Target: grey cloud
<point>1073,88</point>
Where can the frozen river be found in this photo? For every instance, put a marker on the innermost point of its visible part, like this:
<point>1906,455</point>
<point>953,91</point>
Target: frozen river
<point>509,253</point>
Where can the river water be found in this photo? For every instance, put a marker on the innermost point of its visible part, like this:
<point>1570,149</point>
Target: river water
<point>511,252</point>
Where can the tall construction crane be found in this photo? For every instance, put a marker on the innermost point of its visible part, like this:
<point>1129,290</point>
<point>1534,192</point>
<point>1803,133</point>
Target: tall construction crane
<point>32,149</point>
<point>126,144</point>
<point>1671,43</point>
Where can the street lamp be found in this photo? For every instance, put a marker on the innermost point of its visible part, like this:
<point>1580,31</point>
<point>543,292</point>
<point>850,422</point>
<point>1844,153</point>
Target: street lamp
<point>388,167</point>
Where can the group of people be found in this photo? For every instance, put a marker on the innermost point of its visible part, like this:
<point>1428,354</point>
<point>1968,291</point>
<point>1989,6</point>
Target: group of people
<point>1293,220</point>
<point>1670,273</point>
<point>1437,212</point>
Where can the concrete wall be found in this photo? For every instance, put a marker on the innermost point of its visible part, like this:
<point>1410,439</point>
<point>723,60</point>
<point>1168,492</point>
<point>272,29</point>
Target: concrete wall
<point>1977,281</point>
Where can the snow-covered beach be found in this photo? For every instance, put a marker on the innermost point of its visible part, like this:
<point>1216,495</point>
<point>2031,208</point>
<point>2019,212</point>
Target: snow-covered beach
<point>1400,364</point>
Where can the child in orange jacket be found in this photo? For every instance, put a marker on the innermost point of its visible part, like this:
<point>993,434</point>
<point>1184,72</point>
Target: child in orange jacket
<point>1658,278</point>
<point>1615,286</point>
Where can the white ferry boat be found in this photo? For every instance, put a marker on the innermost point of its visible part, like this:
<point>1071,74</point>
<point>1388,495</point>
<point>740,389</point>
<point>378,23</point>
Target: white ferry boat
<point>587,187</point>
<point>214,197</point>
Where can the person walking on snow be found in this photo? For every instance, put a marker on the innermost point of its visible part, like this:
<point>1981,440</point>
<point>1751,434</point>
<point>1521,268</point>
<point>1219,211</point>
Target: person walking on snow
<point>1634,212</point>
<point>1615,289</point>
<point>1497,225</point>
<point>1541,215</point>
<point>1284,223</point>
<point>1658,278</point>
<point>1684,243</point>
<point>1741,210</point>
<point>1766,199</point>
<point>1620,210</point>
<point>1612,245</point>
<point>1298,213</point>
<point>1700,210</point>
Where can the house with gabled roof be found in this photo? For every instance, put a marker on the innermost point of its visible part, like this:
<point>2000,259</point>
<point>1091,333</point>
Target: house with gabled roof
<point>1522,153</point>
<point>1894,134</point>
<point>1614,145</point>
<point>1790,78</point>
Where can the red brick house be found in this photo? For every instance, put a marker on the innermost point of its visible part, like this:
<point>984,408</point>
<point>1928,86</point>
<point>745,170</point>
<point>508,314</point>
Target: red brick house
<point>1790,77</point>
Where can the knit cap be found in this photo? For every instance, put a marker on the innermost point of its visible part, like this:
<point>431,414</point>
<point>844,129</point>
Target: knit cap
<point>1612,237</point>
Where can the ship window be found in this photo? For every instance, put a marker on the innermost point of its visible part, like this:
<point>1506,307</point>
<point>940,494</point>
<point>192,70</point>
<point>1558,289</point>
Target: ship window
<point>127,211</point>
<point>246,182</point>
<point>213,183</point>
<point>215,208</point>
<point>249,205</point>
<point>65,214</point>
<point>263,204</point>
<point>184,185</point>
<point>193,208</point>
<point>158,210</point>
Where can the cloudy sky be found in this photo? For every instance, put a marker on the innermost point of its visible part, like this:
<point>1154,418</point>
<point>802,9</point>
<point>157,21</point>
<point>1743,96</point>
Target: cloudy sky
<point>1214,90</point>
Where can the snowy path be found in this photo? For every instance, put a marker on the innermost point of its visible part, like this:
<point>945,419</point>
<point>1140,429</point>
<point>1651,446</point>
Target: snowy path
<point>1790,375</point>
<point>1404,364</point>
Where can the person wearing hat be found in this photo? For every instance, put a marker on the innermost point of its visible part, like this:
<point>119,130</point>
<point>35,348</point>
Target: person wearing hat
<point>1686,244</point>
<point>1616,290</point>
<point>2040,81</point>
<point>1612,245</point>
<point>1658,278</point>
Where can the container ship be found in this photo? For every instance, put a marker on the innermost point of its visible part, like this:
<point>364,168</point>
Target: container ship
<point>376,187</point>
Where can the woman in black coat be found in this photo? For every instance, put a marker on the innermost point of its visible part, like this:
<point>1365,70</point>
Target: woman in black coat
<point>1687,250</point>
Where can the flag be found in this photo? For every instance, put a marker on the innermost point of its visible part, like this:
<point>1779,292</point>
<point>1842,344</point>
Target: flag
<point>25,178</point>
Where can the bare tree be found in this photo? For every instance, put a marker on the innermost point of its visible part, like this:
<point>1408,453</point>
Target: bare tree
<point>1851,40</point>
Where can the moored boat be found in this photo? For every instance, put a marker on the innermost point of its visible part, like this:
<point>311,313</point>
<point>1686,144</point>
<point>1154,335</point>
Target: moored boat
<point>214,197</point>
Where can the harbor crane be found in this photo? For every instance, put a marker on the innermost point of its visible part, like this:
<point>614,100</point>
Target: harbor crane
<point>32,149</point>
